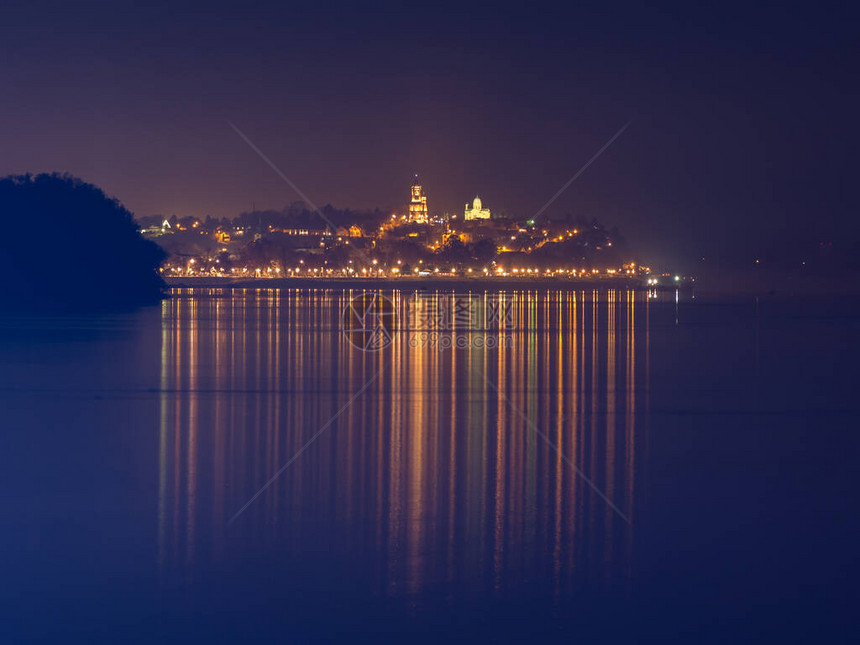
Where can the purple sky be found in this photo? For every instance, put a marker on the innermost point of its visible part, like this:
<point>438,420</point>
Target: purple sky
<point>743,120</point>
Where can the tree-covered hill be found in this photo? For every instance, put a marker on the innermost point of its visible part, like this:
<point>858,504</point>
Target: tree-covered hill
<point>65,244</point>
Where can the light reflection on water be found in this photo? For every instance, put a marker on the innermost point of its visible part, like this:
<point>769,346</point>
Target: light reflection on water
<point>432,506</point>
<point>455,468</point>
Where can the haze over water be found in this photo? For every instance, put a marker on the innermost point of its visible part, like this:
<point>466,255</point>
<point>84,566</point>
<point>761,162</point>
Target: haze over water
<point>620,463</point>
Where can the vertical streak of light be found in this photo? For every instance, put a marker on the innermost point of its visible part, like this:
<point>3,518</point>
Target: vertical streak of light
<point>452,463</point>
<point>415,440</point>
<point>162,437</point>
<point>178,384</point>
<point>578,499</point>
<point>395,375</point>
<point>256,451</point>
<point>395,490</point>
<point>593,442</point>
<point>502,433</point>
<point>191,517</point>
<point>522,446</point>
<point>575,424</point>
<point>540,483</point>
<point>276,393</point>
<point>218,428</point>
<point>609,487</point>
<point>241,437</point>
<point>269,457</point>
<point>631,420</point>
<point>561,363</point>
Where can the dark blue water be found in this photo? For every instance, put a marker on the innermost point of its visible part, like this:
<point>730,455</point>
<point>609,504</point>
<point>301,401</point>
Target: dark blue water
<point>611,467</point>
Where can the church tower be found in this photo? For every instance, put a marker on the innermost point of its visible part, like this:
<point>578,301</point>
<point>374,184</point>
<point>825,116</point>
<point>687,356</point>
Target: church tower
<point>418,204</point>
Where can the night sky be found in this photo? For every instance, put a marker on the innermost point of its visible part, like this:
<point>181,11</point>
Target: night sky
<point>742,136</point>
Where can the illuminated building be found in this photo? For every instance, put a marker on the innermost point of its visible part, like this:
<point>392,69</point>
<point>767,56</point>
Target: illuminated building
<point>477,211</point>
<point>156,231</point>
<point>418,205</point>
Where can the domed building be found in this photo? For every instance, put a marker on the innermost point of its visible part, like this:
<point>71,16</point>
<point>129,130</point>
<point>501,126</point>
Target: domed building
<point>477,211</point>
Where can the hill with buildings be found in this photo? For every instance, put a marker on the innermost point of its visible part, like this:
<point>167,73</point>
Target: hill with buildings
<point>300,241</point>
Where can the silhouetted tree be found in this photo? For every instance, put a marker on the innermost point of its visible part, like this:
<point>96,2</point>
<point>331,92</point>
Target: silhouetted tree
<point>65,244</point>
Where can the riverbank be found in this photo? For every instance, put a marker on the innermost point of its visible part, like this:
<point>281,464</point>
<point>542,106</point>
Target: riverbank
<point>445,282</point>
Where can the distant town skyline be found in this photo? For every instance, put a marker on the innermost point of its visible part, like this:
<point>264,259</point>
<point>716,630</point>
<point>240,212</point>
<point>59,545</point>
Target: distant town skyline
<point>728,153</point>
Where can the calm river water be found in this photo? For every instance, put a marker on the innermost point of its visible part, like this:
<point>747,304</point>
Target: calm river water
<point>591,465</point>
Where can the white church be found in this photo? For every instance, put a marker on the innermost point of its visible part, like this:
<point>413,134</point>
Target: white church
<point>476,212</point>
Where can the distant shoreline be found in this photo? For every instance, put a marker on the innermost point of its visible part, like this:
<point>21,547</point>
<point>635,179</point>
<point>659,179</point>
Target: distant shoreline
<point>413,283</point>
